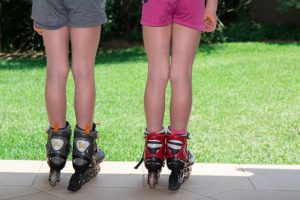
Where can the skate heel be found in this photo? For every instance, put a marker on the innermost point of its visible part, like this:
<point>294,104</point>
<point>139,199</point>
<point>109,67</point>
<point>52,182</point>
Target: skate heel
<point>175,164</point>
<point>80,165</point>
<point>154,164</point>
<point>57,163</point>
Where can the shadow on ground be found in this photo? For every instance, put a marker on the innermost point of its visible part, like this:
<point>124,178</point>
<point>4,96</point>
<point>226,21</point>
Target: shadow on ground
<point>223,183</point>
<point>136,54</point>
<point>102,59</point>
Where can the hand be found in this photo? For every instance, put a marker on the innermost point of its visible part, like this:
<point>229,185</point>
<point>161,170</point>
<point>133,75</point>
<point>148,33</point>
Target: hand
<point>38,29</point>
<point>210,20</point>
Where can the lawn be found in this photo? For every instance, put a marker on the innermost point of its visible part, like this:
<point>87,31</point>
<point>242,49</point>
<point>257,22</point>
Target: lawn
<point>246,105</point>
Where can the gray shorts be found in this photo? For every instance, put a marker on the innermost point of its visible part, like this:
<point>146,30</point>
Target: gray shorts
<point>54,14</point>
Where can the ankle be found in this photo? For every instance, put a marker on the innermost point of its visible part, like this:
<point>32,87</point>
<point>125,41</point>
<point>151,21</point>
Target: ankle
<point>176,131</point>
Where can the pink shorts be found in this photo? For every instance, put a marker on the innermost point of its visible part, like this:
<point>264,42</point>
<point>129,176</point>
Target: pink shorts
<point>188,13</point>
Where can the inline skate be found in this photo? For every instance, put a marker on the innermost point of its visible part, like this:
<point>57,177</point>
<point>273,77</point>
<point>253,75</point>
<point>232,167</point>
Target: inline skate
<point>86,157</point>
<point>58,148</point>
<point>179,159</point>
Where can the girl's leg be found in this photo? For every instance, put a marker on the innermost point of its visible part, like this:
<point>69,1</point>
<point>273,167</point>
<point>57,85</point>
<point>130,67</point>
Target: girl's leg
<point>185,42</point>
<point>85,43</point>
<point>57,46</point>
<point>179,159</point>
<point>157,41</point>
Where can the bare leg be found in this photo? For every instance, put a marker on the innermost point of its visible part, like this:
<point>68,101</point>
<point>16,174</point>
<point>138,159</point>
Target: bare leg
<point>85,43</point>
<point>157,41</point>
<point>184,46</point>
<point>57,46</point>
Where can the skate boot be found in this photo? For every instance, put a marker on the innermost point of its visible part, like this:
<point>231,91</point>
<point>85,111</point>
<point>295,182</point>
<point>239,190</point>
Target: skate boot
<point>179,159</point>
<point>58,148</point>
<point>86,157</point>
<point>154,155</point>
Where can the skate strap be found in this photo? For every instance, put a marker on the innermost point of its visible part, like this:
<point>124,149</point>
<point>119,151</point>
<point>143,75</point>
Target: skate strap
<point>93,134</point>
<point>141,161</point>
<point>57,130</point>
<point>188,136</point>
<point>56,127</point>
<point>87,129</point>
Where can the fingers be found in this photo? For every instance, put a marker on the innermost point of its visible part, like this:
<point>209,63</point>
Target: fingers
<point>38,29</point>
<point>210,24</point>
<point>210,28</point>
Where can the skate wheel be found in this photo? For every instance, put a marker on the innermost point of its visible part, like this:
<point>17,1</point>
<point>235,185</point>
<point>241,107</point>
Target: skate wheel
<point>176,179</point>
<point>75,183</point>
<point>54,178</point>
<point>152,180</point>
<point>187,172</point>
<point>53,183</point>
<point>94,171</point>
<point>98,168</point>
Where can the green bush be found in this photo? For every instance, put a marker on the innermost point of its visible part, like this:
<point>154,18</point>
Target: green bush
<point>123,20</point>
<point>16,27</point>
<point>124,23</point>
<point>243,28</point>
<point>17,32</point>
<point>285,5</point>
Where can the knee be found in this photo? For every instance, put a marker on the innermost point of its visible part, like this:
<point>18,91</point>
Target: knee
<point>178,78</point>
<point>59,74</point>
<point>161,78</point>
<point>83,73</point>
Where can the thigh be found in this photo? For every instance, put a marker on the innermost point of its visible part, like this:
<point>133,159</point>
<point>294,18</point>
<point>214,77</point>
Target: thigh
<point>84,42</point>
<point>157,42</point>
<point>57,47</point>
<point>185,42</point>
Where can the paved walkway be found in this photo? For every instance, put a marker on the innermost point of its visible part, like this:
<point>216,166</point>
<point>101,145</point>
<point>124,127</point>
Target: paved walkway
<point>118,180</point>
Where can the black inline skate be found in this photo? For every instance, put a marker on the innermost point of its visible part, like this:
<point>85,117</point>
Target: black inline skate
<point>154,156</point>
<point>86,157</point>
<point>58,148</point>
<point>179,159</point>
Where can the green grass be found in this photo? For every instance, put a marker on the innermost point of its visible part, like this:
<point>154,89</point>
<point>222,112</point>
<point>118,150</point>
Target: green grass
<point>246,105</point>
